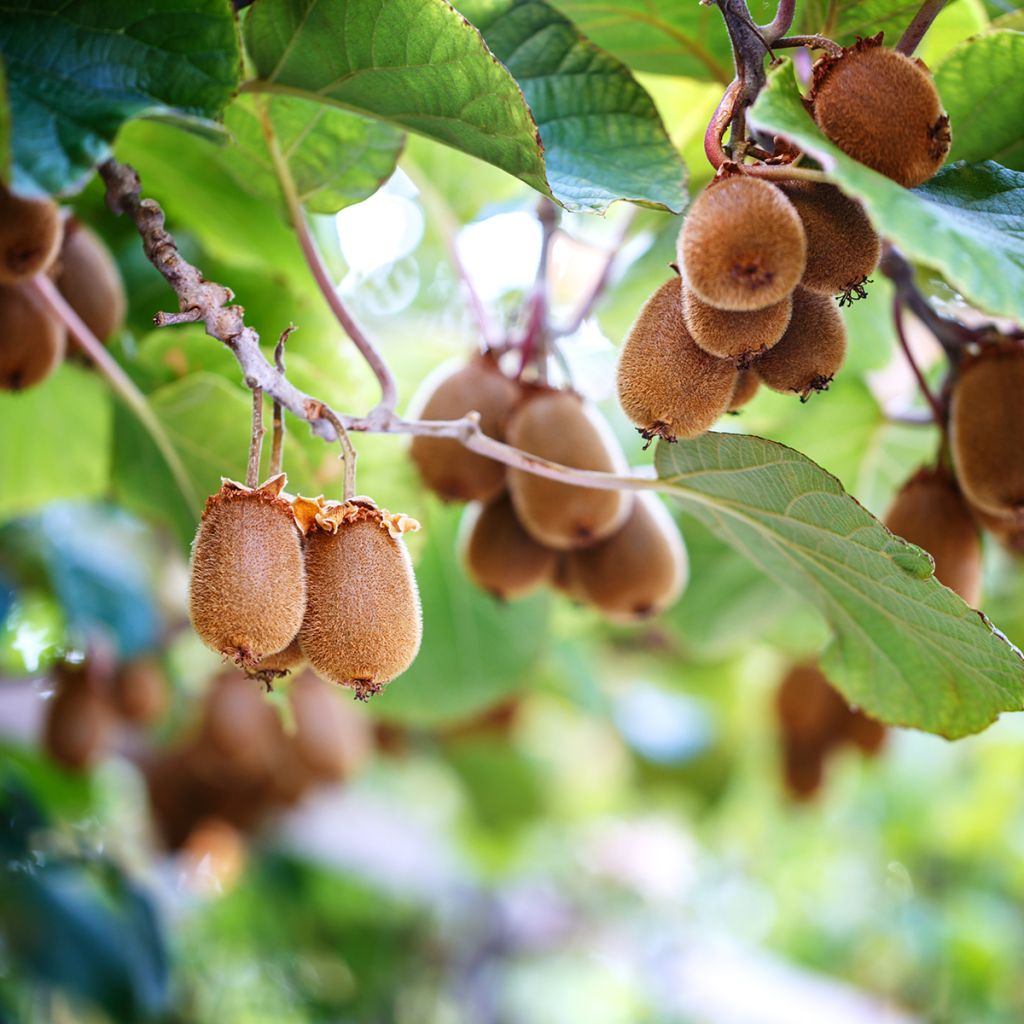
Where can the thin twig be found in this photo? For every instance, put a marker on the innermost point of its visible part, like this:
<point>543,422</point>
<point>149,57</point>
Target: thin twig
<point>812,42</point>
<point>277,438</point>
<point>919,25</point>
<point>252,472</point>
<point>318,410</point>
<point>780,24</point>
<point>719,123</point>
<point>48,294</point>
<point>938,414</point>
<point>536,337</point>
<point>784,172</point>
<point>749,48</point>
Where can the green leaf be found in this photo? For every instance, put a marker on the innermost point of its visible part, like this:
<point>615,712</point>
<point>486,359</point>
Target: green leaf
<point>77,71</point>
<point>906,649</point>
<point>983,92</point>
<point>68,419</point>
<point>967,222</point>
<point>666,37</point>
<point>420,65</point>
<point>844,22</point>
<point>475,650</point>
<point>5,129</point>
<point>336,158</point>
<point>603,137</point>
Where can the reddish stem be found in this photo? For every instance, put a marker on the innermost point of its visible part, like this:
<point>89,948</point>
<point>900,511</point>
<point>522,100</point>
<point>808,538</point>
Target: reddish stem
<point>937,411</point>
<point>719,123</point>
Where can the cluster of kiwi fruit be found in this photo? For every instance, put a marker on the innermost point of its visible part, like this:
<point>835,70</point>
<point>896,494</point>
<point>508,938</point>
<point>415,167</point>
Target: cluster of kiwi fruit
<point>90,698</point>
<point>618,552</point>
<point>814,721</point>
<point>238,764</point>
<point>761,262</point>
<point>279,581</point>
<point>36,238</point>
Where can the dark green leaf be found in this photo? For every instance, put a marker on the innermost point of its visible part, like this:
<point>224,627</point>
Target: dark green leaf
<point>844,22</point>
<point>967,222</point>
<point>5,129</point>
<point>77,71</point>
<point>905,648</point>
<point>603,138</point>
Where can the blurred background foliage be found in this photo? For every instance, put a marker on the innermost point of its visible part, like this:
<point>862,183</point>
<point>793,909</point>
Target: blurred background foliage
<point>551,819</point>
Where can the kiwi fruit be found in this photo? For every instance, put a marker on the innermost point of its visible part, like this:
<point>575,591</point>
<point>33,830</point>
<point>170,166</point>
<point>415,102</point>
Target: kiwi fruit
<point>273,666</point>
<point>240,729</point>
<point>668,386</point>
<point>30,233</point>
<point>639,571</point>
<point>811,351</point>
<point>803,769</point>
<point>33,342</point>
<point>362,625</point>
<point>139,693</point>
<point>447,467</point>
<point>882,108</point>
<point>78,722</point>
<point>247,593</point>
<point>809,710</point>
<point>734,335</point>
<point>331,737</point>
<point>559,426</point>
<point>90,281</point>
<point>842,246</point>
<point>864,733</point>
<point>1008,530</point>
<point>499,555</point>
<point>742,246</point>
<point>930,512</point>
<point>747,384</point>
<point>986,424</point>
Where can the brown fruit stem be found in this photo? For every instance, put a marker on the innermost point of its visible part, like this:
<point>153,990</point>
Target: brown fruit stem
<point>812,42</point>
<point>939,414</point>
<point>277,441</point>
<point>252,471</point>
<point>348,452</point>
<point>780,24</point>
<point>918,26</point>
<point>720,119</point>
<point>535,343</point>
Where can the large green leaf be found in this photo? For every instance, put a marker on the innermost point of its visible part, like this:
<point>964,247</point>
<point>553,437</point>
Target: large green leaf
<point>77,71</point>
<point>905,648</point>
<point>660,36</point>
<point>335,158</point>
<point>967,222</point>
<point>420,65</point>
<point>983,91</point>
<point>475,650</point>
<point>603,138</point>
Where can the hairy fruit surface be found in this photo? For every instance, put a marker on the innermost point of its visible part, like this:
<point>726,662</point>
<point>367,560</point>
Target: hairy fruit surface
<point>30,232</point>
<point>33,341</point>
<point>90,281</point>
<point>731,335</point>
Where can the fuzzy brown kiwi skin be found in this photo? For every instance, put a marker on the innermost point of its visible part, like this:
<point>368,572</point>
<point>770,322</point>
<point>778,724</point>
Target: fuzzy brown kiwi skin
<point>30,233</point>
<point>842,247</point>
<point>559,426</point>
<point>735,335</point>
<point>499,555</point>
<point>668,386</point>
<point>811,351</point>
<point>747,385</point>
<point>639,571</point>
<point>247,593</point>
<point>986,424</point>
<point>90,280</point>
<point>448,468</point>
<point>281,663</point>
<point>930,511</point>
<point>78,722</point>
<point>742,246</point>
<point>33,342</point>
<point>362,626</point>
<point>882,108</point>
<point>1008,530</point>
<point>332,738</point>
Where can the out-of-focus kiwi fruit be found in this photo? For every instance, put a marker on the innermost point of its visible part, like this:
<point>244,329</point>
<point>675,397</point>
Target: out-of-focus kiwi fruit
<point>1008,530</point>
<point>930,512</point>
<point>499,555</point>
<point>248,593</point>
<point>803,768</point>
<point>811,351</point>
<point>332,738</point>
<point>559,426</point>
<point>742,245</point>
<point>639,571</point>
<point>986,424</point>
<point>362,626</point>
<point>273,666</point>
<point>808,707</point>
<point>865,733</point>
<point>78,720</point>
<point>33,341</point>
<point>882,108</point>
<point>139,692</point>
<point>668,386</point>
<point>747,384</point>
<point>240,729</point>
<point>734,335</point>
<point>842,246</point>
<point>90,281</point>
<point>30,233</point>
<point>448,468</point>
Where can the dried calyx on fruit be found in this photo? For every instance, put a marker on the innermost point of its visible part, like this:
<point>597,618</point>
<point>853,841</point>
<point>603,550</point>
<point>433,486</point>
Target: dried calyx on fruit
<point>668,386</point>
<point>30,232</point>
<point>33,340</point>
<point>986,424</point>
<point>882,108</point>
<point>248,592</point>
<point>811,351</point>
<point>742,245</point>
<point>930,512</point>
<point>729,335</point>
<point>842,246</point>
<point>362,625</point>
<point>499,555</point>
<point>559,426</point>
<point>447,467</point>
<point>90,281</point>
